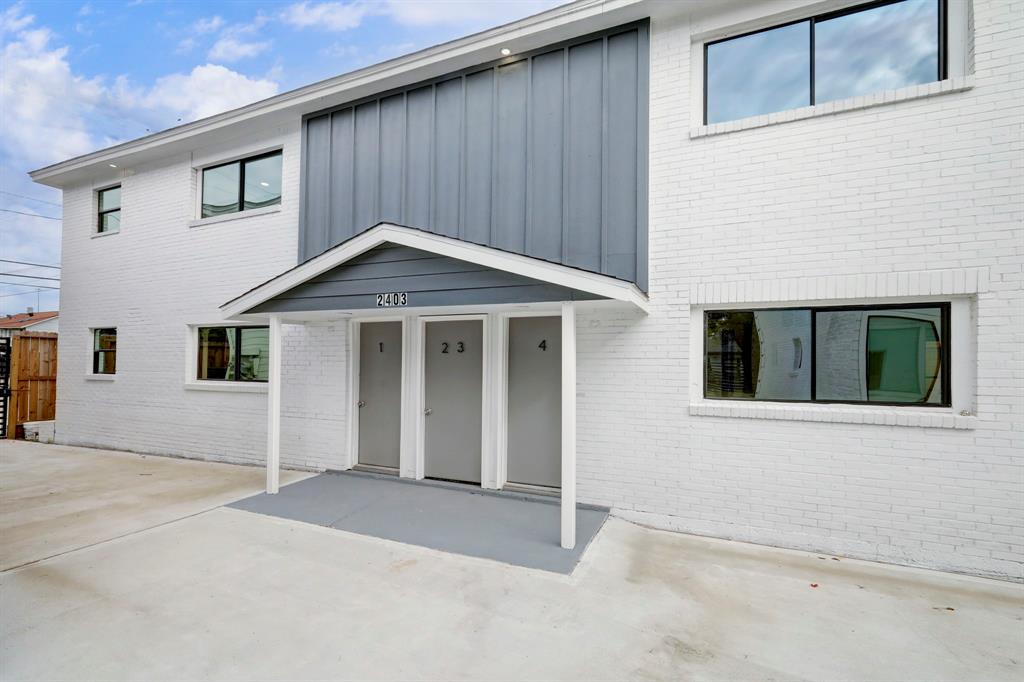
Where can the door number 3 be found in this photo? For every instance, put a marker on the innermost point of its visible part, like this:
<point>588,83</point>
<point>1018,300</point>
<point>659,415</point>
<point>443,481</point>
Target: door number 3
<point>460,347</point>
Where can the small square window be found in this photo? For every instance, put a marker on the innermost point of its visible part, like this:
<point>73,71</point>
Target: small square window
<point>109,218</point>
<point>104,351</point>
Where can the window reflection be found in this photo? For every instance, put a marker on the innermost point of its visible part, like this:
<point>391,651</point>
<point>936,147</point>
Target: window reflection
<point>759,73</point>
<point>220,190</point>
<point>883,48</point>
<point>263,182</point>
<point>233,354</point>
<point>763,354</point>
<point>888,356</point>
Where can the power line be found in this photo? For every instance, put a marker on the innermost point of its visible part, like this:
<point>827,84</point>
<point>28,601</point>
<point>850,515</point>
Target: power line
<point>23,196</point>
<point>23,293</point>
<point>27,276</point>
<point>35,265</point>
<point>34,215</point>
<point>34,286</point>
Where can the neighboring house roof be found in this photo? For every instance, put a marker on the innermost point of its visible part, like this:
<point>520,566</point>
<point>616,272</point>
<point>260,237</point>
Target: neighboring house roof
<point>23,320</point>
<point>552,26</point>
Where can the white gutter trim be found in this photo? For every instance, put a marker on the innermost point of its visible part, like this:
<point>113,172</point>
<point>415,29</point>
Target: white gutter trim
<point>494,37</point>
<point>553,273</point>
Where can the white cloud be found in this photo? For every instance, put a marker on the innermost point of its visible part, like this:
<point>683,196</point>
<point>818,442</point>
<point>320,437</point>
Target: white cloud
<point>185,46</point>
<point>340,51</point>
<point>50,113</point>
<point>207,24</point>
<point>333,16</point>
<point>230,49</point>
<point>343,15</point>
<point>45,104</point>
<point>206,90</point>
<point>12,19</point>
<point>462,13</point>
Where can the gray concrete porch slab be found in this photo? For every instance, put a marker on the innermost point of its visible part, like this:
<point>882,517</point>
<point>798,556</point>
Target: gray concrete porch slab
<point>514,528</point>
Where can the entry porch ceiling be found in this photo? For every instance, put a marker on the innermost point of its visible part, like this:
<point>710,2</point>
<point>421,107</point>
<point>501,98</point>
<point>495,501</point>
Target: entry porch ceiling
<point>418,269</point>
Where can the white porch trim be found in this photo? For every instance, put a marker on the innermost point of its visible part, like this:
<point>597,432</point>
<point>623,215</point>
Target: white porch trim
<point>274,407</point>
<point>553,273</point>
<point>568,425</point>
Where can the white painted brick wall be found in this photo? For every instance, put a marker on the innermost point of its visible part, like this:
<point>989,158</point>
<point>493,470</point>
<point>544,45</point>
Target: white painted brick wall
<point>927,184</point>
<point>155,278</point>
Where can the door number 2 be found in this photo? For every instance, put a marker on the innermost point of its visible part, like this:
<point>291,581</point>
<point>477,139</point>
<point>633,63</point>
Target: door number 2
<point>460,347</point>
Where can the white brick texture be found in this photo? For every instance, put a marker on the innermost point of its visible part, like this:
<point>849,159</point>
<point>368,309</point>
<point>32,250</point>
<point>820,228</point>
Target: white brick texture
<point>930,184</point>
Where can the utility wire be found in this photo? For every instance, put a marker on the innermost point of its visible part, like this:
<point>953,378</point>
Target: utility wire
<point>14,274</point>
<point>34,215</point>
<point>35,265</point>
<point>22,284</point>
<point>22,293</point>
<point>23,196</point>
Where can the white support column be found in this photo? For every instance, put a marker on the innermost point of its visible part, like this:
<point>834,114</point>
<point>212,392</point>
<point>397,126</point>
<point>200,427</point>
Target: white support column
<point>274,407</point>
<point>568,425</point>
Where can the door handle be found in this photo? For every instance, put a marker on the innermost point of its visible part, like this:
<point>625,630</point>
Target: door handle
<point>361,403</point>
<point>427,412</point>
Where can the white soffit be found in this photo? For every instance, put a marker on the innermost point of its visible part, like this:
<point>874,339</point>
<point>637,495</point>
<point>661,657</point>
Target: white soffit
<point>544,271</point>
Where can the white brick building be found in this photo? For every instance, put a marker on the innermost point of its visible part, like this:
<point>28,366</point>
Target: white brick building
<point>903,197</point>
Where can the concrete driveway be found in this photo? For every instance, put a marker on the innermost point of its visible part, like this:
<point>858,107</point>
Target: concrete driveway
<point>231,595</point>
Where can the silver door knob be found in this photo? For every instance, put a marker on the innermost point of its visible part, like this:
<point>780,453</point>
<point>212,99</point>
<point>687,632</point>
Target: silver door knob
<point>361,403</point>
<point>427,412</point>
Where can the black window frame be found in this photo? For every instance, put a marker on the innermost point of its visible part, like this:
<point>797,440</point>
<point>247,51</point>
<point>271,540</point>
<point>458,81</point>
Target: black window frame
<point>241,181</point>
<point>96,352</point>
<point>100,213</point>
<point>237,329</point>
<point>944,353</point>
<point>943,42</point>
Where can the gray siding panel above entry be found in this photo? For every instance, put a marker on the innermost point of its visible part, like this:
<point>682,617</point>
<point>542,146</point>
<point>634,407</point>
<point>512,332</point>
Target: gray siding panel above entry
<point>540,154</point>
<point>428,280</point>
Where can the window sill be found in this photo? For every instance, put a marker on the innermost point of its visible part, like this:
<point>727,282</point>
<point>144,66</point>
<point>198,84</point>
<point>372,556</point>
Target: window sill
<point>936,418</point>
<point>100,377</point>
<point>97,235</point>
<point>239,215</point>
<point>226,387</point>
<point>958,84</point>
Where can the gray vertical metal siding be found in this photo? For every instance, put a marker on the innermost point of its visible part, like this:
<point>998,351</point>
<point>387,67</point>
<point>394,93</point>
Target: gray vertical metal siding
<point>544,156</point>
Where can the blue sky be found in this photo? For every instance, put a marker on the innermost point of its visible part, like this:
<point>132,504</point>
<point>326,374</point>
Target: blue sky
<point>77,76</point>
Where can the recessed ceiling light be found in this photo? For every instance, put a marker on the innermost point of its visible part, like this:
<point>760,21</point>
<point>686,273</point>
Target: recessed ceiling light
<point>505,52</point>
<point>265,184</point>
<point>112,165</point>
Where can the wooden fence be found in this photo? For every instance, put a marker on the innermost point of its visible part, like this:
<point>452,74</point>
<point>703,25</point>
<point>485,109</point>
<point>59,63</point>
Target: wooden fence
<point>33,380</point>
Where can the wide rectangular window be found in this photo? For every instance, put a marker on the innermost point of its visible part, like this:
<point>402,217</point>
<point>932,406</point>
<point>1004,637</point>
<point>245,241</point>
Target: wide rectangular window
<point>109,202</point>
<point>894,355</point>
<point>104,351</point>
<point>857,51</point>
<point>233,353</point>
<point>242,185</point>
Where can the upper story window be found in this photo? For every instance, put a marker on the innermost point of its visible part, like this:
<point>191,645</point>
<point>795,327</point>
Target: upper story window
<point>104,351</point>
<point>109,217</point>
<point>242,185</point>
<point>890,355</point>
<point>233,353</point>
<point>856,51</point>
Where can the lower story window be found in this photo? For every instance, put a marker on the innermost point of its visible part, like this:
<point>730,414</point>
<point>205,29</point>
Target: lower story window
<point>895,355</point>
<point>104,351</point>
<point>233,353</point>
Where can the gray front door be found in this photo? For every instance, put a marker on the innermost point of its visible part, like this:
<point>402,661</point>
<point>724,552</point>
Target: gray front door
<point>454,390</point>
<point>535,401</point>
<point>380,393</point>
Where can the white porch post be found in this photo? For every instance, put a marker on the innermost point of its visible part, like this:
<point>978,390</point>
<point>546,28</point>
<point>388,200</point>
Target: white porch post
<point>274,407</point>
<point>568,425</point>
